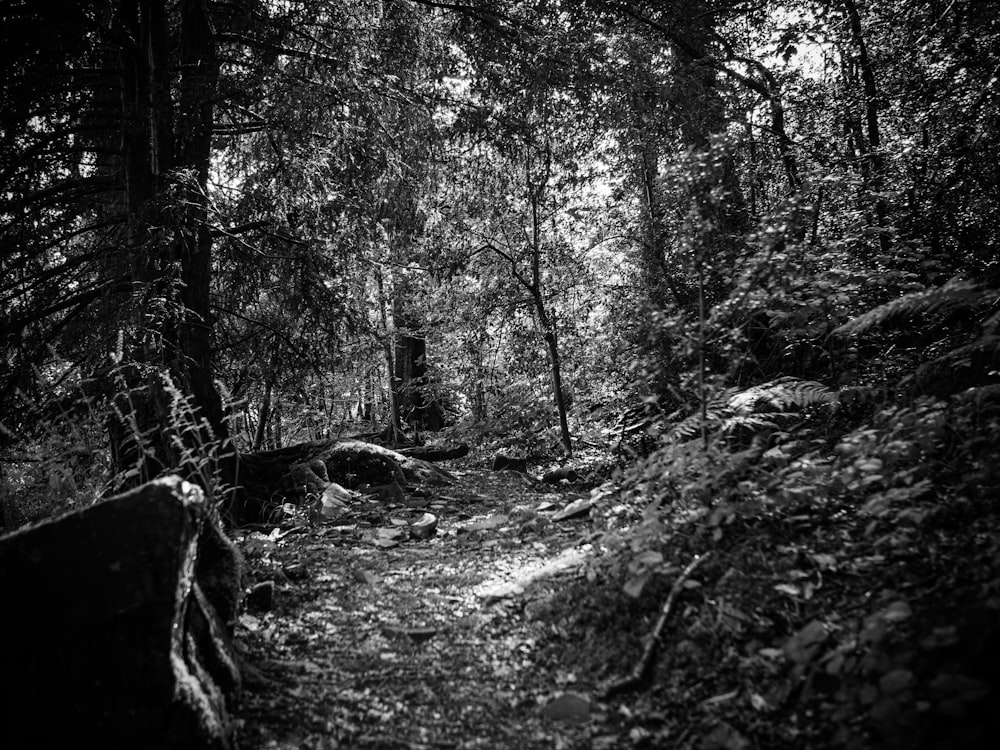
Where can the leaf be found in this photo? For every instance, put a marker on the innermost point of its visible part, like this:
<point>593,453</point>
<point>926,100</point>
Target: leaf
<point>723,698</point>
<point>634,586</point>
<point>803,647</point>
<point>389,537</point>
<point>365,577</point>
<point>954,294</point>
<point>897,612</point>
<point>724,737</point>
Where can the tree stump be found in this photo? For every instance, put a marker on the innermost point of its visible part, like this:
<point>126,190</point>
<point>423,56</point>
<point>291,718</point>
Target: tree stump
<point>115,631</point>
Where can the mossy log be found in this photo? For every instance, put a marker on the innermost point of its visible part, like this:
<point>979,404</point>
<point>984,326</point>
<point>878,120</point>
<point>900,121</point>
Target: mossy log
<point>293,474</point>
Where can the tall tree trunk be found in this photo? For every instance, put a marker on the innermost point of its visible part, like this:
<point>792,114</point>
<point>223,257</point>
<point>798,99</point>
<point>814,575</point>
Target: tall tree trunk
<point>552,345</point>
<point>265,414</point>
<point>535,192</point>
<point>872,161</point>
<point>169,413</point>
<point>388,345</point>
<point>411,375</point>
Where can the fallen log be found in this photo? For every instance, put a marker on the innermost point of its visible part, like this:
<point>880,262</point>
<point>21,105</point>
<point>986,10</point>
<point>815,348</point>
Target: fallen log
<point>300,472</point>
<point>435,452</point>
<point>569,473</point>
<point>117,627</point>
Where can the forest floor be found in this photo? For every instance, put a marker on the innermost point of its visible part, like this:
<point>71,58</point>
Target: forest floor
<point>804,629</point>
<point>376,642</point>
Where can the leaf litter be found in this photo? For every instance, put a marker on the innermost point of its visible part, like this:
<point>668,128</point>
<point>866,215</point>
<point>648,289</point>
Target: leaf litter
<point>505,629</point>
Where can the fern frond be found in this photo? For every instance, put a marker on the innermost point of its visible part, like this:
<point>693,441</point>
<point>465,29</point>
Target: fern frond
<point>752,422</point>
<point>781,394</point>
<point>953,295</point>
<point>960,368</point>
<point>690,426</point>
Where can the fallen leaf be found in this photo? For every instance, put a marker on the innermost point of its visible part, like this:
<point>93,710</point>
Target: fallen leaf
<point>366,577</point>
<point>723,698</point>
<point>634,586</point>
<point>724,737</point>
<point>805,644</point>
<point>824,562</point>
<point>788,588</point>
<point>897,612</point>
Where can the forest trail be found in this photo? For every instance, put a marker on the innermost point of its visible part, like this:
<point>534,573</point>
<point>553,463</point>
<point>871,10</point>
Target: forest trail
<point>421,644</point>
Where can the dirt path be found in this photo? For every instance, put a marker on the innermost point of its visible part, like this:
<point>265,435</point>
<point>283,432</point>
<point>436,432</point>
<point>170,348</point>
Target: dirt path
<point>423,644</point>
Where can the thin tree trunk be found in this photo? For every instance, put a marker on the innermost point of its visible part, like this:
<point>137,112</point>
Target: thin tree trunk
<point>552,345</point>
<point>873,158</point>
<point>548,327</point>
<point>388,338</point>
<point>265,414</point>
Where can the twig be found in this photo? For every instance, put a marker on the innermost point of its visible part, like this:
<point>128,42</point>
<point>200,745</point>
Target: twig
<point>642,667</point>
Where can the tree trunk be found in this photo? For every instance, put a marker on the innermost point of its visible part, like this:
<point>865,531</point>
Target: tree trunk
<point>265,414</point>
<point>547,325</point>
<point>872,162</point>
<point>411,376</point>
<point>552,345</point>
<point>168,411</point>
<point>388,344</point>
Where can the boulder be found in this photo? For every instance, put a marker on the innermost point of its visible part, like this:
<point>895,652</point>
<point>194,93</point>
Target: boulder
<point>117,623</point>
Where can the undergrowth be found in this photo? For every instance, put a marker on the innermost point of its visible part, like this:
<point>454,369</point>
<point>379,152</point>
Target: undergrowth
<point>77,440</point>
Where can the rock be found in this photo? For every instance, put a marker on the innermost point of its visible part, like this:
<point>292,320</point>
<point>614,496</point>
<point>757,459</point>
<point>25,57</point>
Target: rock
<point>580,507</point>
<point>261,597</point>
<point>116,633</point>
<point>424,527</point>
<point>555,476</point>
<point>296,572</point>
